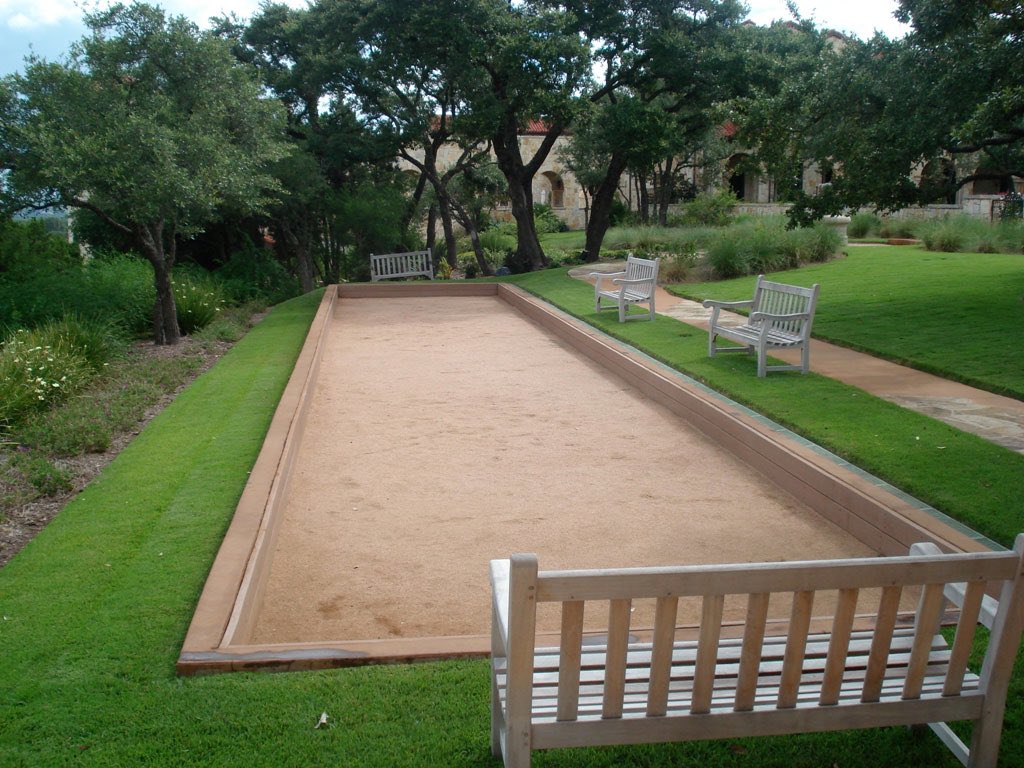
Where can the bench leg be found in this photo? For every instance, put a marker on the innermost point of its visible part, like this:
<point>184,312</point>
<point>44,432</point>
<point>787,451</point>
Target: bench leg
<point>762,362</point>
<point>622,311</point>
<point>805,357</point>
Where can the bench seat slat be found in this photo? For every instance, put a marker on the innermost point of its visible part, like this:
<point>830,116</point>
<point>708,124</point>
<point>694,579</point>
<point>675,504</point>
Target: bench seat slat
<point>637,685</point>
<point>767,723</point>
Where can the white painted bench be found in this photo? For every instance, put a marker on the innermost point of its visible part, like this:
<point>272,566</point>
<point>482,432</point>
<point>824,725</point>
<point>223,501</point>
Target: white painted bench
<point>621,684</point>
<point>780,317</point>
<point>636,285</point>
<point>410,264</point>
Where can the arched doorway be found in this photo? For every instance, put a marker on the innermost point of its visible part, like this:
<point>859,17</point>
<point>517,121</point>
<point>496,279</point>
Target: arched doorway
<point>552,190</point>
<point>742,181</point>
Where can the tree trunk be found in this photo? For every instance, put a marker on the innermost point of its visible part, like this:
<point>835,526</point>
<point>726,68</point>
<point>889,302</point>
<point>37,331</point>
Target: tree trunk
<point>601,208</point>
<point>520,188</point>
<point>432,231</point>
<point>644,199</point>
<point>165,313</point>
<point>667,186</point>
<point>444,207</point>
<point>485,266</point>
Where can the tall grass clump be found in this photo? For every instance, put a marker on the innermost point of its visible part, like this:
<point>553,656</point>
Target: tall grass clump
<point>863,224</point>
<point>709,209</point>
<point>763,244</point>
<point>199,299</point>
<point>41,367</point>
<point>966,234</point>
<point>902,228</point>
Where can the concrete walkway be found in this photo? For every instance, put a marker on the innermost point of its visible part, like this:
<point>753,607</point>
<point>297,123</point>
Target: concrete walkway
<point>993,417</point>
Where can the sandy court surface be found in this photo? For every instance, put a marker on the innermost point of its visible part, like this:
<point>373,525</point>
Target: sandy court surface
<point>445,432</point>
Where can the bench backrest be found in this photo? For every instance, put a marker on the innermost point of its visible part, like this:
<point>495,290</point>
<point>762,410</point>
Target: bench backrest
<point>783,299</point>
<point>642,269</point>
<point>409,264</point>
<point>797,583</point>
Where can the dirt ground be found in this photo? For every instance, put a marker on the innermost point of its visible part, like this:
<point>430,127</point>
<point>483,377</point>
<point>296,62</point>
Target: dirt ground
<point>447,432</point>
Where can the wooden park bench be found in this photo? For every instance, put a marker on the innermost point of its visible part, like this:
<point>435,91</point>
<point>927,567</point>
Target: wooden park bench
<point>780,317</point>
<point>410,264</point>
<point>636,285</point>
<point>623,684</point>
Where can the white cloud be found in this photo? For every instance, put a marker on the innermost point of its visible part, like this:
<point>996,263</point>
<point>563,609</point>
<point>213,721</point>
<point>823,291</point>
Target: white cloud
<point>18,14</point>
<point>861,18</point>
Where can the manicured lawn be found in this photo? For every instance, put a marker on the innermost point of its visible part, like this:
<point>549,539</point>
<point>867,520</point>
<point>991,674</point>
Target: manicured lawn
<point>955,314</point>
<point>93,612</point>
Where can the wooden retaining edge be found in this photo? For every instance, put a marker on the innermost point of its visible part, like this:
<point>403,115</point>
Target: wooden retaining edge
<point>883,521</point>
<point>239,570</point>
<point>217,638</point>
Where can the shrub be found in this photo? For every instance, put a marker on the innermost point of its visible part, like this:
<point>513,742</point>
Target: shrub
<point>545,220</point>
<point>710,209</point>
<point>468,264</point>
<point>677,266</point>
<point>862,224</point>
<point>725,258</point>
<point>814,244</point>
<point>33,375</point>
<point>199,298</point>
<point>254,274</point>
<point>26,247</point>
<point>497,241</point>
<point>898,227</point>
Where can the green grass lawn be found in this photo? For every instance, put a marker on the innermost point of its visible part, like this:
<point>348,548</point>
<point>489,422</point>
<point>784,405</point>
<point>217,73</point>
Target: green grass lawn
<point>93,612</point>
<point>954,314</point>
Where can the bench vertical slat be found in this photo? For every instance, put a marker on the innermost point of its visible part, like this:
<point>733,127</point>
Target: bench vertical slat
<point>997,668</point>
<point>569,660</point>
<point>661,655</point>
<point>796,646</point>
<point>966,628</point>
<point>615,661</point>
<point>838,646</point>
<point>885,623</point>
<point>522,628</point>
<point>707,653</point>
<point>928,617</point>
<point>750,656</point>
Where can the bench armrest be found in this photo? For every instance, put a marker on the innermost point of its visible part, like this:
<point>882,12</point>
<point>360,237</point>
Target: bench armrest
<point>709,303</point>
<point>755,316</point>
<point>599,277</point>
<point>637,281</point>
<point>499,597</point>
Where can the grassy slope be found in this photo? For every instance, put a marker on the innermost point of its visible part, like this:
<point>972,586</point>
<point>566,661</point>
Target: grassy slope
<point>952,313</point>
<point>969,478</point>
<point>94,611</point>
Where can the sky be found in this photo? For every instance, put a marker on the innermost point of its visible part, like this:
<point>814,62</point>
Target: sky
<point>48,27</point>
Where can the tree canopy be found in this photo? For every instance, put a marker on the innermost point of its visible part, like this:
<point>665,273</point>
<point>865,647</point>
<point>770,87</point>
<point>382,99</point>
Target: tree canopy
<point>152,125</point>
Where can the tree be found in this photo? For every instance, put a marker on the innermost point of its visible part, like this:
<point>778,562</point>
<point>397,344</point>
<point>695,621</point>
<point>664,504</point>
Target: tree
<point>664,71</point>
<point>535,65</point>
<point>876,113</point>
<point>152,125</point>
<point>409,80</point>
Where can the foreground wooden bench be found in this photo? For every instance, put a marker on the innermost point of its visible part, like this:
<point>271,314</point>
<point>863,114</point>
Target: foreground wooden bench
<point>780,317</point>
<point>393,265</point>
<point>635,285</point>
<point>628,685</point>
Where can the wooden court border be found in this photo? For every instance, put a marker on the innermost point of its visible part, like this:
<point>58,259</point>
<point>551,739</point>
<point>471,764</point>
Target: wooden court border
<point>217,639</point>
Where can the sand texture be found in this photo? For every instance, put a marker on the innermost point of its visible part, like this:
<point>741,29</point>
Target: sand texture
<point>445,432</point>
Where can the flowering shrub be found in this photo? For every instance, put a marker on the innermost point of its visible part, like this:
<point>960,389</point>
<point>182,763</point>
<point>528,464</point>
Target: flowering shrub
<point>33,376</point>
<point>198,301</point>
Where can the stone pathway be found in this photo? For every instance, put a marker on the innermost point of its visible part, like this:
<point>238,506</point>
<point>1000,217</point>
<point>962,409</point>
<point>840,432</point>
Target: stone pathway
<point>994,417</point>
